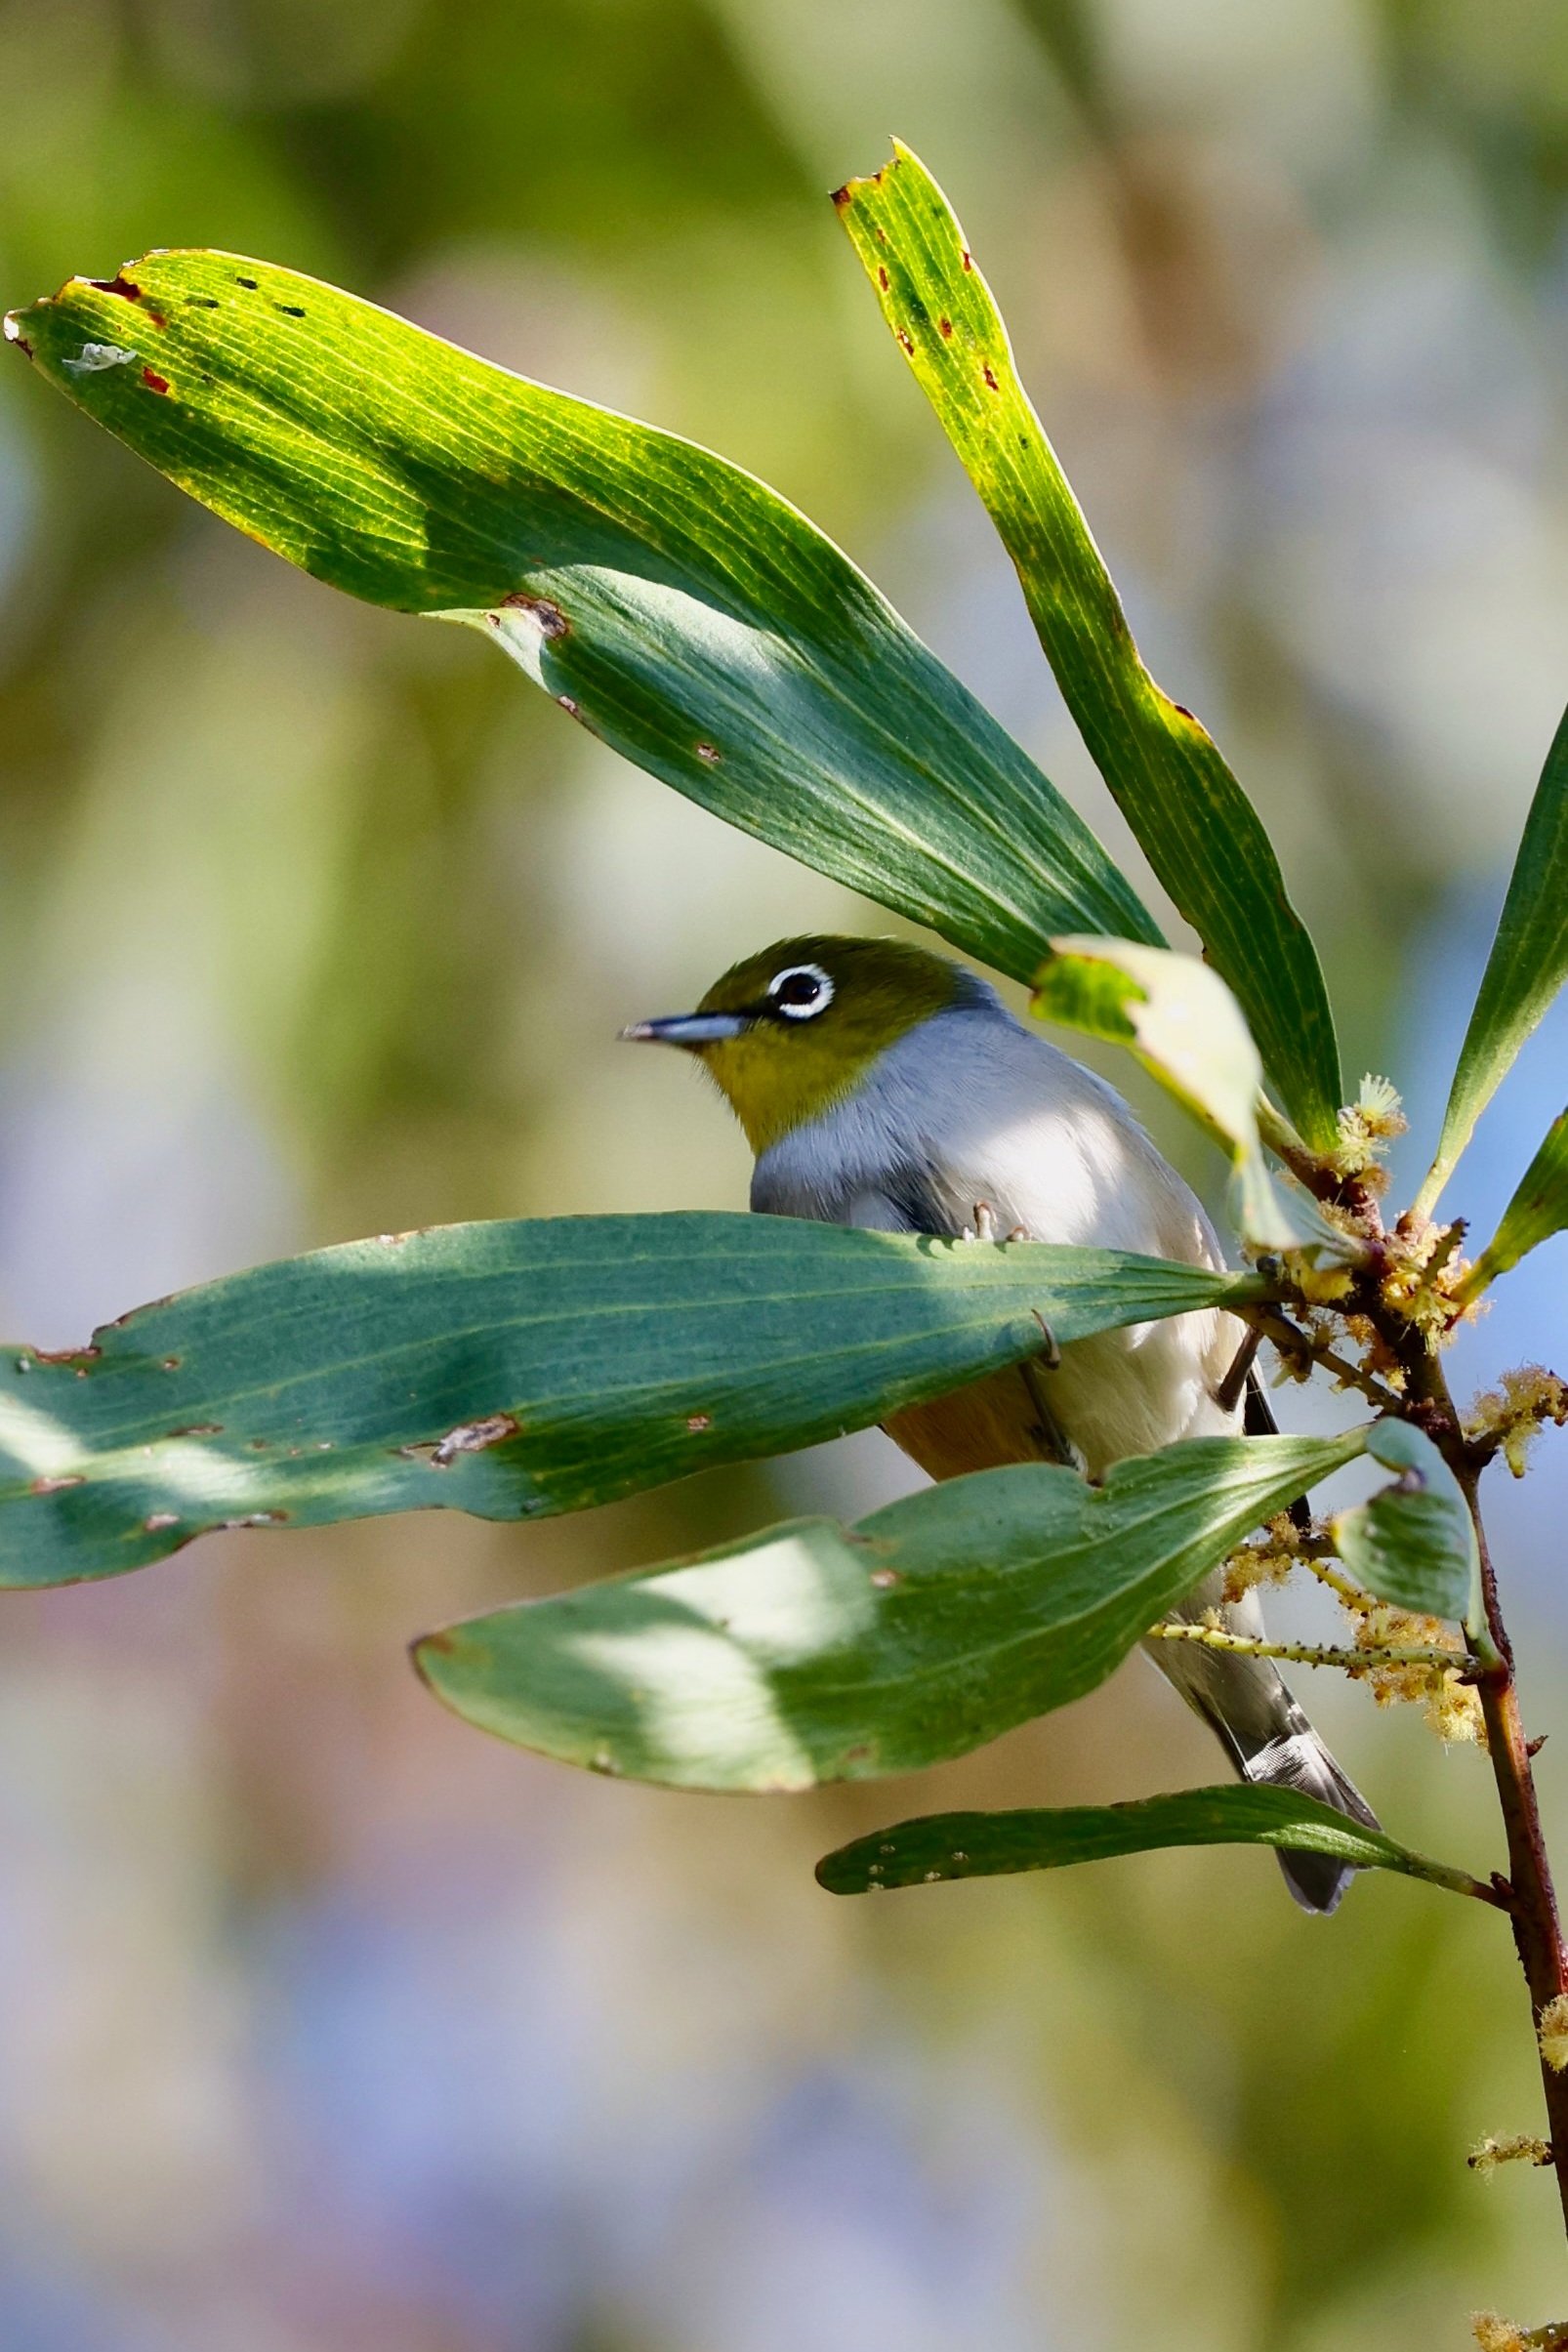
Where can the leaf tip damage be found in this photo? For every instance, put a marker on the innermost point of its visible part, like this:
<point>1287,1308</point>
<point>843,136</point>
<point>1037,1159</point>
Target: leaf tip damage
<point>30,315</point>
<point>844,197</point>
<point>552,621</point>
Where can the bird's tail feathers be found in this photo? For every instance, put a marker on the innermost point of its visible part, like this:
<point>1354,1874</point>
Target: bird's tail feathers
<point>1298,1760</point>
<point>1271,1743</point>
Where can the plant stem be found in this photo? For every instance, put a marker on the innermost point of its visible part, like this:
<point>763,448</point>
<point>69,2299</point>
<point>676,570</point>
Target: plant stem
<point>1302,1653</point>
<point>1345,1590</point>
<point>1299,1346</point>
<point>1533,1911</point>
<point>1531,1898</point>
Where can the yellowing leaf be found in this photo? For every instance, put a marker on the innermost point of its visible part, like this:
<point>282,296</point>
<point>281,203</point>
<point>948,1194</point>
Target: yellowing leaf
<point>1197,827</point>
<point>1185,1025</point>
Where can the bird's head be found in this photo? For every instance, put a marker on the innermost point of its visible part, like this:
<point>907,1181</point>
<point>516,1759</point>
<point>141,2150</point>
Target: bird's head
<point>790,1032</point>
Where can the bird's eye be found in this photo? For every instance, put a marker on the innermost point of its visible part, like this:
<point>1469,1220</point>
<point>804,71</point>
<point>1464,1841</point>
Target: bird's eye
<point>800,993</point>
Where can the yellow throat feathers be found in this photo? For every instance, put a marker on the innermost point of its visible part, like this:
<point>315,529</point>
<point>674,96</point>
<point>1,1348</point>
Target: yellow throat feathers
<point>780,1073</point>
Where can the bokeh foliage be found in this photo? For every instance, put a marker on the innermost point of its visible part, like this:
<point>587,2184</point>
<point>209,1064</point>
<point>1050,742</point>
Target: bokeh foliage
<point>238,919</point>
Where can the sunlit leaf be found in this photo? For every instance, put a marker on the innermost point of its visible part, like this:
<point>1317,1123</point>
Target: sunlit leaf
<point>986,1845</point>
<point>1185,1025</point>
<point>1538,1209</point>
<point>516,1369</point>
<point>1527,966</point>
<point>816,1652</point>
<point>1197,827</point>
<point>671,603</point>
<point>1414,1543</point>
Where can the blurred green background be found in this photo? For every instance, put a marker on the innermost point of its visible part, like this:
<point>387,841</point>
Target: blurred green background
<point>325,2023</point>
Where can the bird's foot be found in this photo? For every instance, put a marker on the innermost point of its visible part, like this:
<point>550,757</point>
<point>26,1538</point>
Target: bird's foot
<point>983,1227</point>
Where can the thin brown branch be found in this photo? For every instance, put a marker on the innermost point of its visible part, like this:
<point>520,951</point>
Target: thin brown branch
<point>1227,1397</point>
<point>1537,1922</point>
<point>1299,1347</point>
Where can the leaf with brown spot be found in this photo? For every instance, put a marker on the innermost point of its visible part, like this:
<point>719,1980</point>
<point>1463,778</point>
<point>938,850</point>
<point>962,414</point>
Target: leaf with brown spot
<point>816,1652</point>
<point>983,1846</point>
<point>517,1369</point>
<point>1197,827</point>
<point>641,581</point>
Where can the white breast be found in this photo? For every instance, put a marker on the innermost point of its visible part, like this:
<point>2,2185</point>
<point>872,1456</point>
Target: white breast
<point>972,1106</point>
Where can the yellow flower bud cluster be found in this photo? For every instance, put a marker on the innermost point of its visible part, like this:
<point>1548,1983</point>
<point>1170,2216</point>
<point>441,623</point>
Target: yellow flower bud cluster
<point>1513,1414</point>
<point>1513,2148</point>
<point>1377,1356</point>
<point>1267,1561</point>
<point>1452,1707</point>
<point>1425,1271</point>
<point>1367,1126</point>
<point>1494,2334</point>
<point>1321,1285</point>
<point>1551,2032</point>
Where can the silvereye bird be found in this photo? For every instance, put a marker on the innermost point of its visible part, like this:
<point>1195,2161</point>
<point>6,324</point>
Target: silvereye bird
<point>882,1085</point>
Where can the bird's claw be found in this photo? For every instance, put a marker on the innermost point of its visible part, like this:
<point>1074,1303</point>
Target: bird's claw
<point>1050,1353</point>
<point>983,1227</point>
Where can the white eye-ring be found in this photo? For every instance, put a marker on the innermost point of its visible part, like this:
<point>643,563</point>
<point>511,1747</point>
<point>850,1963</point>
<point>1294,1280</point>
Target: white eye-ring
<point>800,993</point>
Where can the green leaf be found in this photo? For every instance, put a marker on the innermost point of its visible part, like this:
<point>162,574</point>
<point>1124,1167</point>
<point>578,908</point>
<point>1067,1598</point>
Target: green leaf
<point>1185,1025</point>
<point>1196,825</point>
<point>987,1846</point>
<point>1414,1543</point>
<point>1538,1209</point>
<point>1527,966</point>
<point>673,604</point>
<point>516,1369</point>
<point>816,1652</point>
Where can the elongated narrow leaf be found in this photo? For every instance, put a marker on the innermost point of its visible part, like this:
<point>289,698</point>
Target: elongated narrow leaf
<point>1185,1025</point>
<point>1538,1209</point>
<point>1527,966</point>
<point>672,603</point>
<point>1414,1543</point>
<point>1199,830</point>
<point>817,1652</point>
<point>989,1845</point>
<point>512,1369</point>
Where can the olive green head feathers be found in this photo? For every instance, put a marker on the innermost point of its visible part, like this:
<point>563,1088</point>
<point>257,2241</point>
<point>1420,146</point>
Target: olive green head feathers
<point>789,1032</point>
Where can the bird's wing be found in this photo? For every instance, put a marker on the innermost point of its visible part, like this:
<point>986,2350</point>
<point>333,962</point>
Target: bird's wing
<point>904,1202</point>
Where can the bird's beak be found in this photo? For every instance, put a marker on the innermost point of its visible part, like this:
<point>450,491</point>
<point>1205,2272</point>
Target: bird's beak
<point>691,1029</point>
